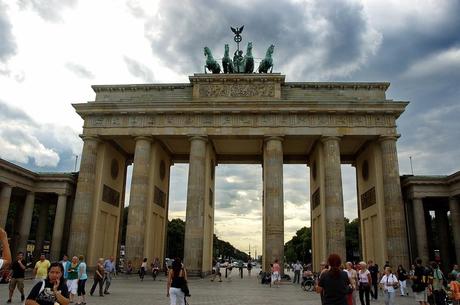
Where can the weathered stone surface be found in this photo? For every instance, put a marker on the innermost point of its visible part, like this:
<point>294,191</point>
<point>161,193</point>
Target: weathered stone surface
<point>26,222</point>
<point>454,206</point>
<point>58,228</point>
<point>420,229</point>
<point>5,197</point>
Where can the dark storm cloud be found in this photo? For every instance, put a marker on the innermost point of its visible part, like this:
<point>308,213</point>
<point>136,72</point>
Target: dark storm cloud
<point>139,70</point>
<point>332,35</point>
<point>7,41</point>
<point>79,70</point>
<point>49,10</point>
<point>38,147</point>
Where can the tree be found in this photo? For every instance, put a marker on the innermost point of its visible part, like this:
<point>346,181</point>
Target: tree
<point>352,239</point>
<point>175,238</point>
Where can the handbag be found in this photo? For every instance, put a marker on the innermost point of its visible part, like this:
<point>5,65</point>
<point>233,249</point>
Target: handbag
<point>184,288</point>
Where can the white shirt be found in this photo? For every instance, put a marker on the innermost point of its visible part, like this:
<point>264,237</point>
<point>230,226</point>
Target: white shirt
<point>388,281</point>
<point>297,267</point>
<point>1,263</point>
<point>363,276</point>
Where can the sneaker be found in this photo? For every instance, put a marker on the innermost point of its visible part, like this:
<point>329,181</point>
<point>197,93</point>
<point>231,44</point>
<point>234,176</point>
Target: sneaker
<point>22,298</point>
<point>9,301</point>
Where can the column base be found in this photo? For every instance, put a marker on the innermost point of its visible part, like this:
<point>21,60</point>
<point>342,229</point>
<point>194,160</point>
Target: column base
<point>198,273</point>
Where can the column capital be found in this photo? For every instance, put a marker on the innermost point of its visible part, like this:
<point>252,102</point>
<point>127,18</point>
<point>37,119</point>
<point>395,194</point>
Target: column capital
<point>383,138</point>
<point>90,138</point>
<point>273,138</point>
<point>145,138</point>
<point>203,138</point>
<point>325,139</point>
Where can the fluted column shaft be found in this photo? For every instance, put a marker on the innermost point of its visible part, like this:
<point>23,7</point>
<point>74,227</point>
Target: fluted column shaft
<point>420,229</point>
<point>396,236</point>
<point>138,201</point>
<point>454,206</point>
<point>42,228</point>
<point>58,227</point>
<point>84,198</point>
<point>5,197</point>
<point>273,209</point>
<point>194,222</point>
<point>442,228</point>
<point>335,228</point>
<point>26,222</point>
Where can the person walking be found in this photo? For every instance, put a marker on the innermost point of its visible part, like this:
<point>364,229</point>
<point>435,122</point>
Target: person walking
<point>52,290</point>
<point>375,274</point>
<point>249,268</point>
<point>297,269</point>
<point>276,276</point>
<point>109,270</point>
<point>82,278</point>
<point>353,277</point>
<point>177,277</point>
<point>402,278</point>
<point>217,271</point>
<point>364,283</point>
<point>389,283</point>
<point>40,271</point>
<point>143,269</point>
<point>66,265</point>
<point>98,277</point>
<point>334,283</point>
<point>419,283</point>
<point>17,278</point>
<point>155,268</point>
<point>438,287</point>
<point>72,278</point>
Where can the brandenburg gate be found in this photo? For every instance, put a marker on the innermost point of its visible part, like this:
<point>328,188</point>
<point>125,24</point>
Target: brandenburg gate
<point>237,118</point>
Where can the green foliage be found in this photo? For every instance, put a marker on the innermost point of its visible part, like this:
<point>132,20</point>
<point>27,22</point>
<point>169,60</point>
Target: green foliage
<point>299,247</point>
<point>226,250</point>
<point>175,238</point>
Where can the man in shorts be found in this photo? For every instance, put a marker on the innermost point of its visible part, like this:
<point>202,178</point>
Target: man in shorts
<point>17,279</point>
<point>419,283</point>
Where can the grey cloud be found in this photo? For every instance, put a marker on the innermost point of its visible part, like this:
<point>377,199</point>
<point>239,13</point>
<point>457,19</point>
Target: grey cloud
<point>49,10</point>
<point>79,70</point>
<point>136,9</point>
<point>8,43</point>
<point>315,36</point>
<point>38,147</point>
<point>139,70</point>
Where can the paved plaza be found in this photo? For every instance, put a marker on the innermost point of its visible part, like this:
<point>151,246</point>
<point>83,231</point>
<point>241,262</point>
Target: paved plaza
<point>246,291</point>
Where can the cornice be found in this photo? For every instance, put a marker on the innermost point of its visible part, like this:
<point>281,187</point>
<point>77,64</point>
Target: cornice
<point>339,85</point>
<point>200,78</point>
<point>138,87</point>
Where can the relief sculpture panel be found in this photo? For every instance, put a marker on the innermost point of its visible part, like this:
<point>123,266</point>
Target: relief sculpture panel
<point>236,90</point>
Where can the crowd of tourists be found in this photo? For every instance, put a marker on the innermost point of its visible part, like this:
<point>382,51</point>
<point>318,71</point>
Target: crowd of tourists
<point>353,284</point>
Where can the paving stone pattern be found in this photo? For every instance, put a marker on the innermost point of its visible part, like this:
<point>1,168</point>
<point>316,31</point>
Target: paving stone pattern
<point>247,291</point>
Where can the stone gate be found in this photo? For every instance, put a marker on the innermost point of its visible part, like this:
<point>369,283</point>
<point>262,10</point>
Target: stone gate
<point>237,118</point>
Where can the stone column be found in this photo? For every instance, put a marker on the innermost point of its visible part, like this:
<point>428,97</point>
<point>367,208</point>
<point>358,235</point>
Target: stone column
<point>5,197</point>
<point>273,209</point>
<point>84,198</point>
<point>420,229</point>
<point>194,218</point>
<point>454,206</point>
<point>42,227</point>
<point>442,227</point>
<point>58,227</point>
<point>138,201</point>
<point>335,225</point>
<point>396,236</point>
<point>26,222</point>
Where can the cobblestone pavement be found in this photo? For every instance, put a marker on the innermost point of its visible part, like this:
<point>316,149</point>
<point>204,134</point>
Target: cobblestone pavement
<point>246,291</point>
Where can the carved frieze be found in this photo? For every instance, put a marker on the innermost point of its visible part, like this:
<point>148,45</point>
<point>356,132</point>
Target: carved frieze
<point>240,120</point>
<point>262,90</point>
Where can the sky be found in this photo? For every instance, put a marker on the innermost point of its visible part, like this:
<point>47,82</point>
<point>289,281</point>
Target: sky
<point>52,51</point>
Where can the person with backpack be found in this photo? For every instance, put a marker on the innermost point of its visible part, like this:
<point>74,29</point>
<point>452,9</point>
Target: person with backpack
<point>419,280</point>
<point>52,290</point>
<point>438,285</point>
<point>389,283</point>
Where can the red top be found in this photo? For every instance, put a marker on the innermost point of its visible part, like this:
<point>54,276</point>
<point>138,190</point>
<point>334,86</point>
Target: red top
<point>276,267</point>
